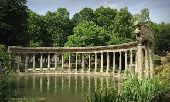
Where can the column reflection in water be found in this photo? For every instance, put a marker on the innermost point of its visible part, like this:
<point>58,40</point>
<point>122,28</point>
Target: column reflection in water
<point>26,82</point>
<point>107,81</point>
<point>95,83</point>
<point>33,83</point>
<point>82,85</point>
<point>41,83</point>
<point>101,83</point>
<point>69,83</point>
<point>75,84</point>
<point>62,84</point>
<point>48,83</point>
<point>55,84</point>
<point>18,82</point>
<point>89,86</point>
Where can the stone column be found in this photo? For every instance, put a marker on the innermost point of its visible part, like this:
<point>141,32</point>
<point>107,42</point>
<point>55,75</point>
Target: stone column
<point>82,63</point>
<point>76,62</point>
<point>114,67</point>
<point>147,60</point>
<point>89,63</point>
<point>151,60</point>
<point>48,61</point>
<point>131,58</point>
<point>69,62</point>
<point>18,63</point>
<point>41,61</point>
<point>62,66</point>
<point>33,61</point>
<point>55,59</point>
<point>140,60</point>
<point>108,61</point>
<point>95,70</point>
<point>101,70</point>
<point>120,61</point>
<point>26,62</point>
<point>125,60</point>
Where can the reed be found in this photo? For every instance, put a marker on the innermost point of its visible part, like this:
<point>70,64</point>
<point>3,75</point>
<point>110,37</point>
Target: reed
<point>134,90</point>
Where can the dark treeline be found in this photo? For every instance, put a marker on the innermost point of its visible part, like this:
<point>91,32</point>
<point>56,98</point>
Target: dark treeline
<point>20,26</point>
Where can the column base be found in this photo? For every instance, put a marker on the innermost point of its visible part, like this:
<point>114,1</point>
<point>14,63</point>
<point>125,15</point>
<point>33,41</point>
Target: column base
<point>88,71</point>
<point>107,71</point>
<point>82,71</point>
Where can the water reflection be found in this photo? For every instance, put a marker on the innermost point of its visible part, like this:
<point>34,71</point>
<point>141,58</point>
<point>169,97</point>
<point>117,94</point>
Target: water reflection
<point>65,88</point>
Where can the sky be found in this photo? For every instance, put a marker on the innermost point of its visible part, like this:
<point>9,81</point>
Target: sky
<point>159,9</point>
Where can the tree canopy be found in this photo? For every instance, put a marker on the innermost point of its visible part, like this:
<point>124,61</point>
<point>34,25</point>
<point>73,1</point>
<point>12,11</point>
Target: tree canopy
<point>13,22</point>
<point>87,33</point>
<point>88,27</point>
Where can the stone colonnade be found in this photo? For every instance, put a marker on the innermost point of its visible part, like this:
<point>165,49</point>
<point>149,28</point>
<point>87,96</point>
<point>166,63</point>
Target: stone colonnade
<point>76,59</point>
<point>107,59</point>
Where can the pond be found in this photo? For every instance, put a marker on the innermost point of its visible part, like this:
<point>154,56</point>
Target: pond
<point>59,88</point>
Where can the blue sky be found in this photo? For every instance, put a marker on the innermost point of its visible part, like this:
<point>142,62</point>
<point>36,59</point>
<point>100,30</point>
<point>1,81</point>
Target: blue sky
<point>159,9</point>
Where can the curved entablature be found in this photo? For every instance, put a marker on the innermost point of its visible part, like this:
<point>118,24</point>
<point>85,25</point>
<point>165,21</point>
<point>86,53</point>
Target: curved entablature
<point>109,48</point>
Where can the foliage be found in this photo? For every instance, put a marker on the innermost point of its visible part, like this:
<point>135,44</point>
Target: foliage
<point>5,60</point>
<point>49,30</point>
<point>4,90</point>
<point>86,14</point>
<point>123,24</point>
<point>87,34</point>
<point>35,29</point>
<point>58,26</point>
<point>162,36</point>
<point>143,16</point>
<point>13,22</point>
<point>135,90</point>
<point>118,40</point>
<point>104,17</point>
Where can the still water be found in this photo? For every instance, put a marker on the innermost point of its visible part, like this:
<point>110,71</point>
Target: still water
<point>59,88</point>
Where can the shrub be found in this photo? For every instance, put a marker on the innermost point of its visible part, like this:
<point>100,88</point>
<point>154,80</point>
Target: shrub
<point>5,60</point>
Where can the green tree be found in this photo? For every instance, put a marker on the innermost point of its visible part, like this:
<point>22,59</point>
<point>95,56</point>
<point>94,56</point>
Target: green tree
<point>86,14</point>
<point>162,36</point>
<point>13,22</point>
<point>37,30</point>
<point>105,16</point>
<point>58,26</point>
<point>143,16</point>
<point>122,30</point>
<point>87,33</point>
<point>123,24</point>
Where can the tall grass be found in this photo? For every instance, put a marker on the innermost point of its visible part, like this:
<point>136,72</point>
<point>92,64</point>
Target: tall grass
<point>134,90</point>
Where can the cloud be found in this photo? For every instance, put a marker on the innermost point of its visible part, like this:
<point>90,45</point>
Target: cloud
<point>159,9</point>
<point>109,4</point>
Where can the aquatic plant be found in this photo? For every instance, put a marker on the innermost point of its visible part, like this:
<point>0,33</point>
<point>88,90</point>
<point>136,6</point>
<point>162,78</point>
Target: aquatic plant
<point>134,90</point>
